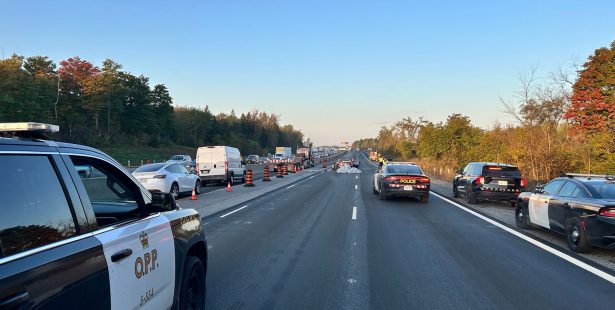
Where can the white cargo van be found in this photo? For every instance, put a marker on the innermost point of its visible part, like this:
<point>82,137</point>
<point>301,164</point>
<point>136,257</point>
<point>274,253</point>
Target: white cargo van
<point>210,164</point>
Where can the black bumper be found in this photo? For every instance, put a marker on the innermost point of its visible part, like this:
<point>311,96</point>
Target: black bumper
<point>400,192</point>
<point>497,195</point>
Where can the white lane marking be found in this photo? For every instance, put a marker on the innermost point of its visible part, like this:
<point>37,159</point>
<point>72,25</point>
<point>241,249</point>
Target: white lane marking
<point>356,186</point>
<point>289,187</point>
<point>535,242</point>
<point>225,215</point>
<point>354,213</point>
<point>209,247</point>
<point>356,176</point>
<point>205,223</point>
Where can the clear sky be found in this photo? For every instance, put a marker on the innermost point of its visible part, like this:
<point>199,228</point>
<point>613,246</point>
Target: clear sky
<point>337,70</point>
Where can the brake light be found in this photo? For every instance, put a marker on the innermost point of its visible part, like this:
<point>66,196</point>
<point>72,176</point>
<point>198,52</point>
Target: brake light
<point>523,182</point>
<point>391,179</point>
<point>608,212</point>
<point>160,176</point>
<point>424,180</point>
<point>480,180</point>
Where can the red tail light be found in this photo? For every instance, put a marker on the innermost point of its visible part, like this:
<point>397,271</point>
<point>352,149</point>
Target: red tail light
<point>523,182</point>
<point>480,180</point>
<point>608,212</point>
<point>424,180</point>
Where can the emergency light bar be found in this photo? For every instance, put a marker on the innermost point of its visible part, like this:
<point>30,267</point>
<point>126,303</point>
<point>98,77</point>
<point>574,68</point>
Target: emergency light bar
<point>28,126</point>
<point>401,163</point>
<point>589,176</point>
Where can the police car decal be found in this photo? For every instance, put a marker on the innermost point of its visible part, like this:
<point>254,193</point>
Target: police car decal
<point>141,279</point>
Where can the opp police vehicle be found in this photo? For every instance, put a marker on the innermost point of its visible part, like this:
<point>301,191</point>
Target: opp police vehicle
<point>579,206</point>
<point>401,179</point>
<point>78,231</point>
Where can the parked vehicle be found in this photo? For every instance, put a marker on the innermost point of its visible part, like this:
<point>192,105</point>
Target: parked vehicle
<point>401,179</point>
<point>355,162</point>
<point>580,207</point>
<point>180,159</point>
<point>252,159</point>
<point>489,181</point>
<point>306,156</point>
<point>283,152</point>
<point>263,160</point>
<point>90,237</point>
<point>216,164</point>
<point>171,178</point>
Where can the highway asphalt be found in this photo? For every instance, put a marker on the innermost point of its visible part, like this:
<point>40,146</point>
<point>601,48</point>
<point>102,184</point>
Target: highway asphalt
<point>328,242</point>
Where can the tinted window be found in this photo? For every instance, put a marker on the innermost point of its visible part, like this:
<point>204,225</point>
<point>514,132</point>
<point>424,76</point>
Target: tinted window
<point>182,169</point>
<point>399,169</point>
<point>580,193</point>
<point>112,194</point>
<point>605,189</point>
<point>467,169</point>
<point>500,171</point>
<point>149,168</point>
<point>567,190</point>
<point>177,157</point>
<point>552,187</point>
<point>35,211</point>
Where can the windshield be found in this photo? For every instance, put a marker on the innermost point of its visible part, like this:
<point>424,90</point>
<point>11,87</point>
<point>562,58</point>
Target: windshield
<point>177,157</point>
<point>150,168</point>
<point>606,189</point>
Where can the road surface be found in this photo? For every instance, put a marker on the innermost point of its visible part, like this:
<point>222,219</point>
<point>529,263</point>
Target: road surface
<point>327,242</point>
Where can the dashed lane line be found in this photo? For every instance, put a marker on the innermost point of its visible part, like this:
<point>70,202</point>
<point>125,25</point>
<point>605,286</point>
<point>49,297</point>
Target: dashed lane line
<point>227,214</point>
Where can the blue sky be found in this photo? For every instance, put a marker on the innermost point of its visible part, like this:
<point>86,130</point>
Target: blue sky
<point>337,70</point>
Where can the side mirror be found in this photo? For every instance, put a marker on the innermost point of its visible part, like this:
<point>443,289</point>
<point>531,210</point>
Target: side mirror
<point>162,202</point>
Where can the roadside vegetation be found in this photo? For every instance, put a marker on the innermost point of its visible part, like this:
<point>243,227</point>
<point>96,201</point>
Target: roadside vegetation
<point>564,123</point>
<point>122,113</point>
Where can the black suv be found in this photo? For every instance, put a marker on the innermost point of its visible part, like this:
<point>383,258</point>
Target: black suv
<point>78,231</point>
<point>489,181</point>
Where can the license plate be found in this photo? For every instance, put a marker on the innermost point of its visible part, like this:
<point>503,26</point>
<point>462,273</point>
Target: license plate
<point>408,188</point>
<point>502,182</point>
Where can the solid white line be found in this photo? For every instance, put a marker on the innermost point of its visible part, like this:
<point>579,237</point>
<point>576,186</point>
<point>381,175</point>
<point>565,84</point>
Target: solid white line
<point>233,211</point>
<point>356,176</point>
<point>354,213</point>
<point>311,177</point>
<point>535,242</point>
<point>356,186</point>
<point>290,186</point>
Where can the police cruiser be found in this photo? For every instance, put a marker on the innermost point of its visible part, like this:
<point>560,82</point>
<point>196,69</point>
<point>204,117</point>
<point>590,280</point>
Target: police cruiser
<point>77,231</point>
<point>579,206</point>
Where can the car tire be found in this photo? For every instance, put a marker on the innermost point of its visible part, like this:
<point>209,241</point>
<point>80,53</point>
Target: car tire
<point>576,236</point>
<point>175,190</point>
<point>197,187</point>
<point>192,294</point>
<point>424,198</point>
<point>471,197</point>
<point>522,217</point>
<point>382,195</point>
<point>455,191</point>
<point>231,179</point>
<point>243,180</point>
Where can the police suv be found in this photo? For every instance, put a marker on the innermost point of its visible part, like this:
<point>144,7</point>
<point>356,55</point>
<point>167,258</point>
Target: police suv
<point>579,206</point>
<point>77,231</point>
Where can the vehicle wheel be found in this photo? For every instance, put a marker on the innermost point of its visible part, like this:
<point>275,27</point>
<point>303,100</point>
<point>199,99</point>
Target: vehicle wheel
<point>455,191</point>
<point>471,197</point>
<point>231,179</point>
<point>175,190</point>
<point>576,237</point>
<point>425,198</point>
<point>192,294</point>
<point>243,180</point>
<point>522,217</point>
<point>197,187</point>
<point>382,195</point>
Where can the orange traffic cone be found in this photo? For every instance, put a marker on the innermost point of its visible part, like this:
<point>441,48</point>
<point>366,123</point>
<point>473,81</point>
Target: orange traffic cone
<point>228,187</point>
<point>193,195</point>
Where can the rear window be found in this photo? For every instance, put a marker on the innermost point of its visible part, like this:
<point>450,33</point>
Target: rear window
<point>403,170</point>
<point>605,189</point>
<point>501,171</point>
<point>150,168</point>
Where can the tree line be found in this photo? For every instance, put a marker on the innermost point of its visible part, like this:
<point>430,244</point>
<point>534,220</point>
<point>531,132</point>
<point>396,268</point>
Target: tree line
<point>563,124</point>
<point>104,106</point>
